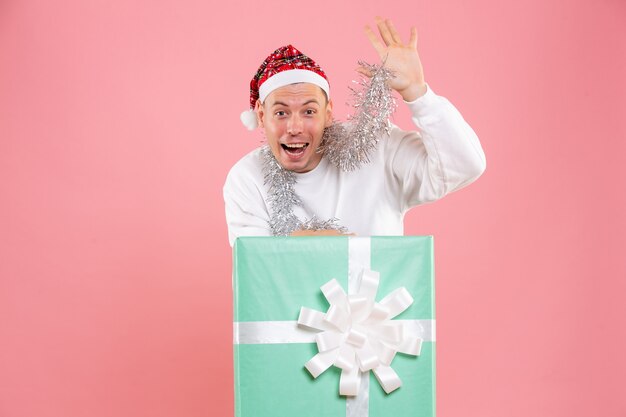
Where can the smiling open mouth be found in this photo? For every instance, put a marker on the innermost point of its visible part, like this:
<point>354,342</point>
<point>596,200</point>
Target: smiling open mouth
<point>294,148</point>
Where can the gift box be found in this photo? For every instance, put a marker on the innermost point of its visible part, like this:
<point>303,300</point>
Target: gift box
<point>301,303</point>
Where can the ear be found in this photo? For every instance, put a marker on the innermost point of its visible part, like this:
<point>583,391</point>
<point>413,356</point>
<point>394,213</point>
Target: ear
<point>260,112</point>
<point>329,113</point>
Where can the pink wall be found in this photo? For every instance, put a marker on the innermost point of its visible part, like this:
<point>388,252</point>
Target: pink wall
<point>119,122</point>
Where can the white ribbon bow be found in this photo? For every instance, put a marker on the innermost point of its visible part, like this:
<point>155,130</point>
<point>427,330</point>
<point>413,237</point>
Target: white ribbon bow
<point>358,335</point>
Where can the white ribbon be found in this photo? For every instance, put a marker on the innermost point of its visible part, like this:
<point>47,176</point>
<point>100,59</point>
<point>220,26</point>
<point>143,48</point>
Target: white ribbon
<point>357,334</point>
<point>270,332</point>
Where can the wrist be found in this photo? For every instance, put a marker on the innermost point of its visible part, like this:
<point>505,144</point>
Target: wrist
<point>413,92</point>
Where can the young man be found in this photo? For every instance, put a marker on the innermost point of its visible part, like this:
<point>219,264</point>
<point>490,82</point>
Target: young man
<point>290,100</point>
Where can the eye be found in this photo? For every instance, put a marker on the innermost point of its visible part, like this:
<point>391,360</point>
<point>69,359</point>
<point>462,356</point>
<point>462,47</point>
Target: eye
<point>310,112</point>
<point>280,113</point>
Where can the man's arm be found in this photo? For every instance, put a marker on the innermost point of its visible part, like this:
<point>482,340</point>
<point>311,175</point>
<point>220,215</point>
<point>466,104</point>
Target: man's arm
<point>445,154</point>
<point>246,212</point>
<point>325,232</point>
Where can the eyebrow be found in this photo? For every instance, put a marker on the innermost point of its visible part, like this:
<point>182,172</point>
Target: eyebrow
<point>280,103</point>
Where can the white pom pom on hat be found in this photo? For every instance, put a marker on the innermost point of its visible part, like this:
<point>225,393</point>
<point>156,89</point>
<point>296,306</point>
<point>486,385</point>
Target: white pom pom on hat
<point>248,118</point>
<point>284,66</point>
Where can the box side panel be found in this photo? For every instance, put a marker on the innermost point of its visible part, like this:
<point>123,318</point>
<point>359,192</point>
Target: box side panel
<point>415,398</point>
<point>276,276</point>
<point>407,262</point>
<point>274,383</point>
<point>273,278</point>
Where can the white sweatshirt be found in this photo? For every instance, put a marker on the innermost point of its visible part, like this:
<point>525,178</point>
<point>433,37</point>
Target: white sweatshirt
<point>407,169</point>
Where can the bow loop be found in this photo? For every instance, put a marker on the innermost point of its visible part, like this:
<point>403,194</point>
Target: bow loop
<point>397,301</point>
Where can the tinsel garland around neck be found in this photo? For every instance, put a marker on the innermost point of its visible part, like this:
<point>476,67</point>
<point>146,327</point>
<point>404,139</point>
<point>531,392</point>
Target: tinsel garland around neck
<point>347,145</point>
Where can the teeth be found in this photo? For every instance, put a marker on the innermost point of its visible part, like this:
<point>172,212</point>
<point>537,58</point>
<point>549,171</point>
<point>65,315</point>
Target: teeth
<point>295,145</point>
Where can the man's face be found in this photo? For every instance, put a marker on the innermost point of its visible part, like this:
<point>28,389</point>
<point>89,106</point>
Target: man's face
<point>294,118</point>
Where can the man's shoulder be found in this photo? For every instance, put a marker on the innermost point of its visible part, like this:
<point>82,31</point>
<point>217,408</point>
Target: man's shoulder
<point>249,165</point>
<point>247,172</point>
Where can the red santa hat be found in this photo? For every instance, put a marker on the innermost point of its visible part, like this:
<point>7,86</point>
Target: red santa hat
<point>284,66</point>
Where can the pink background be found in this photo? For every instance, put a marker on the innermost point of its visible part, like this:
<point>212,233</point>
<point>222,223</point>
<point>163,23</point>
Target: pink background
<point>119,122</point>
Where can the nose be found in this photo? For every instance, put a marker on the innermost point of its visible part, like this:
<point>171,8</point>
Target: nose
<point>295,124</point>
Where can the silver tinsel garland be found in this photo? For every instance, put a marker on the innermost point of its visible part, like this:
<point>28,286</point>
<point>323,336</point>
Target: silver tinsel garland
<point>346,145</point>
<point>282,198</point>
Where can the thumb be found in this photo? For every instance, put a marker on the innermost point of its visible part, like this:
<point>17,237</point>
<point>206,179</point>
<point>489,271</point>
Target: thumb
<point>364,71</point>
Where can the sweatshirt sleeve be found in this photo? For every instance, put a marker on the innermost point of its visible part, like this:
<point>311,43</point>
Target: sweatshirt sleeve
<point>442,156</point>
<point>246,212</point>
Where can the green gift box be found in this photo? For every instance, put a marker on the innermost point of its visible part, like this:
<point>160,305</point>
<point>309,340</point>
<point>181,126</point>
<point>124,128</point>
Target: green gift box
<point>273,277</point>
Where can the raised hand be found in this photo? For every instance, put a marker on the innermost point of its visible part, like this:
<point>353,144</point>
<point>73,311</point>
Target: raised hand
<point>401,58</point>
